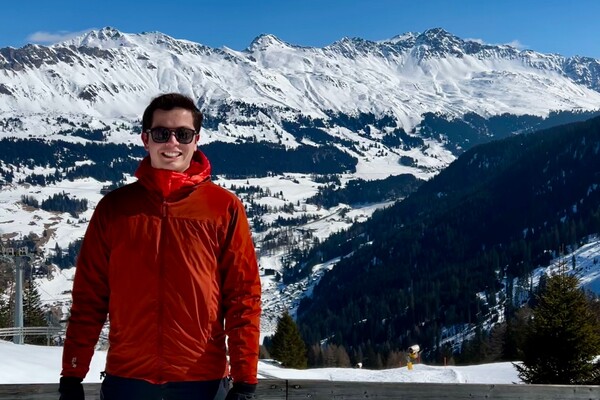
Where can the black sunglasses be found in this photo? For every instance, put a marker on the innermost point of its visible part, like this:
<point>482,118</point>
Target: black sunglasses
<point>162,135</point>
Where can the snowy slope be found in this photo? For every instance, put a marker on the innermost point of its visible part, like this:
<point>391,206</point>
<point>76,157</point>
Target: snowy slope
<point>39,364</point>
<point>107,73</point>
<point>105,78</point>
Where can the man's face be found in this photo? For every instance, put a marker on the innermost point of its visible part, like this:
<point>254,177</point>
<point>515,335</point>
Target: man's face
<point>171,155</point>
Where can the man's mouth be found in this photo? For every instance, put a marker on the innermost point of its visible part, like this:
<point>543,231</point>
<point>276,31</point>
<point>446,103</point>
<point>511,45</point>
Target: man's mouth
<point>171,154</point>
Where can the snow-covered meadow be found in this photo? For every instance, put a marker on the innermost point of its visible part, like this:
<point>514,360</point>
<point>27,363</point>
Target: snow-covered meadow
<point>42,364</point>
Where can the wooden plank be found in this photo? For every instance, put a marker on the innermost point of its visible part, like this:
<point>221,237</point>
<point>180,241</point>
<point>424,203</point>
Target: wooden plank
<point>326,390</point>
<point>43,391</point>
<point>274,389</point>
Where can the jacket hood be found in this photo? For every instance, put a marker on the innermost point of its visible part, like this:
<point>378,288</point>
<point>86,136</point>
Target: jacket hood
<point>167,182</point>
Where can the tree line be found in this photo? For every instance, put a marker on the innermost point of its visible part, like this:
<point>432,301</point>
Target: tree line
<point>555,337</point>
<point>58,202</point>
<point>419,267</point>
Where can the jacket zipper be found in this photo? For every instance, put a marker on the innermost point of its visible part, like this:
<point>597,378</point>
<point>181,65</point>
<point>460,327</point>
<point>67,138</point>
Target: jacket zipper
<point>161,246</point>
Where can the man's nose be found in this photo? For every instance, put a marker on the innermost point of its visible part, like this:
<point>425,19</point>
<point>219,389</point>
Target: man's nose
<point>172,138</point>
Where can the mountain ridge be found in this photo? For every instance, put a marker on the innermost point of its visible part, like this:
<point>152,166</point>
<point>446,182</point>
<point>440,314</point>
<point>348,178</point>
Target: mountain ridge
<point>107,67</point>
<point>298,119</point>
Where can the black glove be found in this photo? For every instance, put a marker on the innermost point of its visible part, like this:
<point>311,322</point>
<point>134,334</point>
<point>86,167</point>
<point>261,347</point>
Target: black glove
<point>241,391</point>
<point>70,388</point>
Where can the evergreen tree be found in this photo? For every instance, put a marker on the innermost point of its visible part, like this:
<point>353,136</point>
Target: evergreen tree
<point>516,330</point>
<point>5,312</point>
<point>6,297</point>
<point>372,359</point>
<point>315,356</point>
<point>496,342</point>
<point>563,337</point>
<point>328,356</point>
<point>33,314</point>
<point>287,345</point>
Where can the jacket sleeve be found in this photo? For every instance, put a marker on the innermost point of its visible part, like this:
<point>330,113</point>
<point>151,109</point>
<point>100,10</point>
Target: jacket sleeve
<point>241,296</point>
<point>90,299</point>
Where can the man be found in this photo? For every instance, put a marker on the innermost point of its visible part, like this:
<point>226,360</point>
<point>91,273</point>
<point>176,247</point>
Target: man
<point>170,259</point>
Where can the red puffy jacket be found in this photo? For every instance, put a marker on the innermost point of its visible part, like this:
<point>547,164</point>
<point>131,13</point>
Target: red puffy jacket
<point>170,259</point>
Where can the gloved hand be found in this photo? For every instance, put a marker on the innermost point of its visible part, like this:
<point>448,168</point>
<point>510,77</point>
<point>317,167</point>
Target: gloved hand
<point>241,391</point>
<point>70,388</point>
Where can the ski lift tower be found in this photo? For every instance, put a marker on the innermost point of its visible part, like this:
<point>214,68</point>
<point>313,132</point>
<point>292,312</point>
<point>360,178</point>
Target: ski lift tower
<point>18,258</point>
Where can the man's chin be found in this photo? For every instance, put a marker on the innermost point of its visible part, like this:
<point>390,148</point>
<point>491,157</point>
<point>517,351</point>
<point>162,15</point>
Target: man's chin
<point>173,165</point>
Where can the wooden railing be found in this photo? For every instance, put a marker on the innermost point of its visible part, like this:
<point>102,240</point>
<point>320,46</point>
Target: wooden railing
<point>31,331</point>
<point>48,331</point>
<point>274,389</point>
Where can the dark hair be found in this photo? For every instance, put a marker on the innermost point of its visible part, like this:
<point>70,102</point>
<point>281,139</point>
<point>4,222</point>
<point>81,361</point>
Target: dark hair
<point>168,102</point>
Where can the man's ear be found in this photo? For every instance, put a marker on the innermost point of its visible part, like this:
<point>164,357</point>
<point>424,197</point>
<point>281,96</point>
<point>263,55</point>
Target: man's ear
<point>145,139</point>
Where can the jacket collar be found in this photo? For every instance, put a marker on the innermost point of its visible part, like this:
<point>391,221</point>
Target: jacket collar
<point>169,183</point>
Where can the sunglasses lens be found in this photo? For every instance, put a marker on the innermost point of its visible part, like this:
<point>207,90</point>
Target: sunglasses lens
<point>184,135</point>
<point>162,135</point>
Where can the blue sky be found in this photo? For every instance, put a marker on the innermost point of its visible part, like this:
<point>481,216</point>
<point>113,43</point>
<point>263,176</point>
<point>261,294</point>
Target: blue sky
<point>551,26</point>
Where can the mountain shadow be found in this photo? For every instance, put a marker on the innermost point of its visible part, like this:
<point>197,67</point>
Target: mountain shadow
<point>436,260</point>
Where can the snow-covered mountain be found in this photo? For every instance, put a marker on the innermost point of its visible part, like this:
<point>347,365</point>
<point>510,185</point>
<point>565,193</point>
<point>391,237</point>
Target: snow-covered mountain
<point>103,80</point>
<point>108,73</point>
